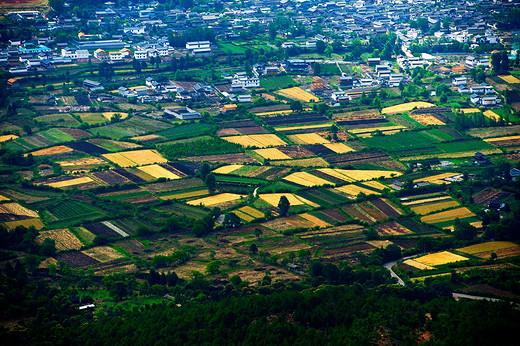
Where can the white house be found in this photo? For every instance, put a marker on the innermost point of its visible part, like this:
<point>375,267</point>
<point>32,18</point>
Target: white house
<point>141,55</point>
<point>115,56</point>
<point>101,55</point>
<point>459,81</point>
<point>245,98</point>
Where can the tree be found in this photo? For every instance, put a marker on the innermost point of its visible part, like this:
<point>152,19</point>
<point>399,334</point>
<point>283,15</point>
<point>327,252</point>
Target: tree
<point>213,267</point>
<point>231,220</point>
<point>258,232</point>
<point>284,205</point>
<point>320,46</point>
<point>464,231</point>
<point>328,51</point>
<point>210,182</point>
<point>253,249</point>
<point>296,106</point>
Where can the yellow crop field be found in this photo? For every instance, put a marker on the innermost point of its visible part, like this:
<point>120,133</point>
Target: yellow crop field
<point>216,199</point>
<point>360,174</point>
<point>70,182</point>
<point>489,246</point>
<point>63,238</point>
<point>448,215</point>
<point>157,172</point>
<point>274,113</point>
<point>243,215</point>
<point>36,223</point>
<point>103,253</point>
<point>260,141</point>
<point>430,208</point>
<point>438,178</point>
<point>496,139</point>
<point>3,198</point>
<point>307,179</point>
<point>5,138</point>
<point>417,265</point>
<point>252,211</point>
<point>308,138</point>
<point>135,158</point>
<point>274,198</point>
<point>147,138</point>
<point>337,173</point>
<point>110,115</point>
<point>227,169</point>
<point>183,195</point>
<point>16,209</point>
<point>52,150</point>
<point>492,115</point>
<point>426,200</point>
<point>426,119</point>
<point>83,162</point>
<point>290,128</point>
<point>272,154</point>
<point>451,155</point>
<point>510,79</point>
<point>376,185</point>
<point>440,258</point>
<point>311,162</point>
<point>406,107</point>
<point>318,222</point>
<point>470,110</point>
<point>355,190</point>
<point>384,129</point>
<point>298,94</point>
<point>339,148</point>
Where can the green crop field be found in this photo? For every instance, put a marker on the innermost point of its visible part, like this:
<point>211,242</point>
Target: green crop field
<point>131,127</point>
<point>401,141</point>
<point>277,82</point>
<point>242,180</point>
<point>92,118</point>
<point>63,119</point>
<point>231,48</point>
<point>186,131</point>
<point>469,145</point>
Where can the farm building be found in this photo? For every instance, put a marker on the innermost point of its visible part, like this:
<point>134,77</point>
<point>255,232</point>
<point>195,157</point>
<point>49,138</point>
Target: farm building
<point>182,113</point>
<point>92,85</point>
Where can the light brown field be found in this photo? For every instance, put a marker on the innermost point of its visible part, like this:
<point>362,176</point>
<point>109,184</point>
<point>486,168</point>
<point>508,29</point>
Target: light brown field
<point>492,115</point>
<point>290,128</point>
<point>318,222</point>
<point>430,208</point>
<point>438,178</point>
<point>496,139</point>
<point>3,198</point>
<point>392,228</point>
<point>157,172</point>
<point>147,138</point>
<point>110,115</point>
<point>274,113</point>
<point>339,148</point>
<point>87,161</point>
<point>252,211</point>
<point>510,79</point>
<point>5,138</point>
<point>36,223</point>
<point>16,209</point>
<point>243,216</point>
<point>489,246</point>
<point>384,129</point>
<point>103,253</point>
<point>426,200</point>
<point>183,195</point>
<point>260,141</point>
<point>470,110</point>
<point>299,94</point>
<point>135,158</point>
<point>63,238</point>
<point>70,182</point>
<point>376,185</point>
<point>274,198</point>
<point>380,243</point>
<point>406,107</point>
<point>307,179</point>
<point>417,265</point>
<point>52,150</point>
<point>440,258</point>
<point>362,174</point>
<point>308,138</point>
<point>426,119</point>
<point>227,169</point>
<point>451,155</point>
<point>217,199</point>
<point>337,173</point>
<point>355,190</point>
<point>272,154</point>
<point>311,162</point>
<point>448,215</point>
<point>502,253</point>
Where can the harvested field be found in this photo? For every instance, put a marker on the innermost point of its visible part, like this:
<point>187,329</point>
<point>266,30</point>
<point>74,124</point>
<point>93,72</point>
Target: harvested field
<point>298,94</point>
<point>439,178</point>
<point>488,132</point>
<point>426,119</point>
<point>3,198</point>
<point>307,179</point>
<point>217,199</point>
<point>380,243</point>
<point>274,198</point>
<point>304,127</point>
<point>157,172</point>
<point>418,265</point>
<point>36,223</point>
<point>432,207</point>
<point>110,115</point>
<point>456,155</point>
<point>488,194</point>
<point>361,175</point>
<point>103,254</point>
<point>307,138</point>
<point>311,162</point>
<point>277,225</point>
<point>502,253</point>
<point>185,195</point>
<point>336,173</point>
<point>243,216</point>
<point>88,161</point>
<point>299,151</point>
<point>259,141</point>
<point>135,158</point>
<point>14,211</point>
<point>440,258</point>
<point>252,211</point>
<point>110,177</point>
<point>507,141</point>
<point>70,182</point>
<point>295,221</point>
<point>489,246</point>
<point>354,190</point>
<point>492,115</point>
<point>510,79</point>
<point>227,169</point>
<point>469,110</point>
<point>448,215</point>
<point>63,238</point>
<point>237,158</point>
<point>147,138</point>
<point>5,138</point>
<point>293,119</point>
<point>339,148</point>
<point>76,259</point>
<point>272,154</point>
<point>391,228</point>
<point>51,151</point>
<point>318,222</point>
<point>406,107</point>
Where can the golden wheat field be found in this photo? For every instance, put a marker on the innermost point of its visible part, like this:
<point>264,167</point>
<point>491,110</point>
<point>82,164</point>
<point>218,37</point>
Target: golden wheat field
<point>496,139</point>
<point>274,198</point>
<point>307,179</point>
<point>135,158</point>
<point>492,115</point>
<point>3,198</point>
<point>36,223</point>
<point>510,79</point>
<point>489,246</point>
<point>157,172</point>
<point>70,182</point>
<point>339,148</point>
<point>470,110</point>
<point>16,209</point>
<point>426,119</point>
<point>438,178</point>
<point>216,199</point>
<point>82,162</point>
<point>59,149</point>
<point>448,215</point>
<point>243,215</point>
<point>110,115</point>
<point>355,190</point>
<point>298,94</point>
<point>406,107</point>
<point>103,253</point>
<point>184,195</point>
<point>290,128</point>
<point>259,141</point>
<point>440,258</point>
<point>426,200</point>
<point>360,174</point>
<point>5,138</point>
<point>308,138</point>
<point>376,185</point>
<point>336,173</point>
<point>227,169</point>
<point>318,222</point>
<point>430,208</point>
<point>63,238</point>
<point>252,211</point>
<point>272,154</point>
<point>417,265</point>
